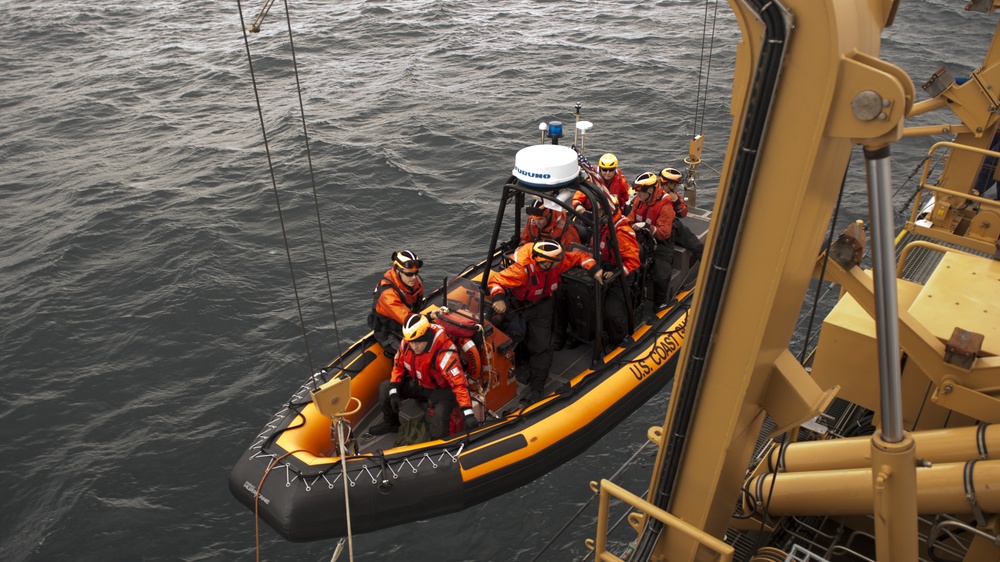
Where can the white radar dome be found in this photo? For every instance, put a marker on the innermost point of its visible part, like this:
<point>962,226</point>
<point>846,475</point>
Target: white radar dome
<point>546,166</point>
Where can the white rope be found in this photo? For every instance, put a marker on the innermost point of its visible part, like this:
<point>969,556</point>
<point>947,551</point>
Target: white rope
<point>347,503</point>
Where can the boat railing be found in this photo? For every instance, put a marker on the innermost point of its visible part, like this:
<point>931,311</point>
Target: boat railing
<point>980,236</point>
<point>606,489</point>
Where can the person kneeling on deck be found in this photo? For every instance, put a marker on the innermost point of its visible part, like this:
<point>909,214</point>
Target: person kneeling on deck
<point>531,282</point>
<point>427,367</point>
<point>398,294</point>
<point>654,211</point>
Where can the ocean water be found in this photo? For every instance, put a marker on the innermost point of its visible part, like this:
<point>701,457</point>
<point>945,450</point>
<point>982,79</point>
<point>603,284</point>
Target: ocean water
<point>148,325</point>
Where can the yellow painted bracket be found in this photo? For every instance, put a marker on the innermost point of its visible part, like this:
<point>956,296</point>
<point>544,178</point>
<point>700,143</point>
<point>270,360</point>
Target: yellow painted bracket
<point>974,101</point>
<point>333,397</point>
<point>971,391</point>
<point>974,403</point>
<point>871,99</point>
<point>695,148</point>
<point>792,396</point>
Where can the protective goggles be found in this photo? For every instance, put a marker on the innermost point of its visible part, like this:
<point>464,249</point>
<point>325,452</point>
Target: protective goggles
<point>409,266</point>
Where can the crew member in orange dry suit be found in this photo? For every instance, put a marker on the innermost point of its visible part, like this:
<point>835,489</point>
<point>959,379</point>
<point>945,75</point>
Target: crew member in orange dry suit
<point>427,367</point>
<point>615,313</point>
<point>548,224</point>
<point>612,179</point>
<point>527,288</point>
<point>653,210</point>
<point>545,223</point>
<point>398,294</point>
<point>670,180</point>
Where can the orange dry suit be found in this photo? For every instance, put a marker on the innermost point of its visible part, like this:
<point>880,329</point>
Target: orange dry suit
<point>557,229</point>
<point>618,188</point>
<point>657,213</point>
<point>529,283</point>
<point>532,287</point>
<point>438,367</point>
<point>615,310</point>
<point>628,246</point>
<point>393,302</point>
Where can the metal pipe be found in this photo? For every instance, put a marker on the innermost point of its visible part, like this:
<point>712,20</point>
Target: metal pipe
<point>940,489</point>
<point>878,170</point>
<point>925,106</point>
<point>936,446</point>
<point>928,130</point>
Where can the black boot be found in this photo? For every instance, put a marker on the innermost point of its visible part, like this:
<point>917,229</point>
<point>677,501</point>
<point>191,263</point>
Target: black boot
<point>571,341</point>
<point>558,342</point>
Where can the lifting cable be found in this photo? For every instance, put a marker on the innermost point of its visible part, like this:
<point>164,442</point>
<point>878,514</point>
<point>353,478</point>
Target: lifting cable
<point>701,98</point>
<point>256,28</point>
<point>807,341</point>
<point>347,498</point>
<point>592,498</point>
<point>822,273</point>
<point>274,184</point>
<point>312,178</point>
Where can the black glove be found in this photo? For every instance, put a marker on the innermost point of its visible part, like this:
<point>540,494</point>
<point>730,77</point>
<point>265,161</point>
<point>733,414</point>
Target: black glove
<point>394,397</point>
<point>470,420</point>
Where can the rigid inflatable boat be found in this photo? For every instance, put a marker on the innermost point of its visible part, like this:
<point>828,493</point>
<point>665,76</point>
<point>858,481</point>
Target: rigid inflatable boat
<point>314,467</point>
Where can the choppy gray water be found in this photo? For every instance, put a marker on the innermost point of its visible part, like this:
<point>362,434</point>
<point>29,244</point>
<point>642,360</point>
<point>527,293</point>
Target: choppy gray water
<point>147,322</point>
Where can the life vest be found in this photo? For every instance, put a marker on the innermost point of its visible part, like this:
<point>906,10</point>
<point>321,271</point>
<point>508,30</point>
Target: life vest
<point>438,367</point>
<point>553,229</point>
<point>628,246</point>
<point>462,329</point>
<point>657,213</point>
<point>412,300</point>
<point>618,188</point>
<point>526,281</point>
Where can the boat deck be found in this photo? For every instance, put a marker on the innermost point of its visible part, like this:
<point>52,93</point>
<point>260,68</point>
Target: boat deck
<point>566,362</point>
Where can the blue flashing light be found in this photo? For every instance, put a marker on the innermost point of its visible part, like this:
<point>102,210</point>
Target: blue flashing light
<point>555,130</point>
